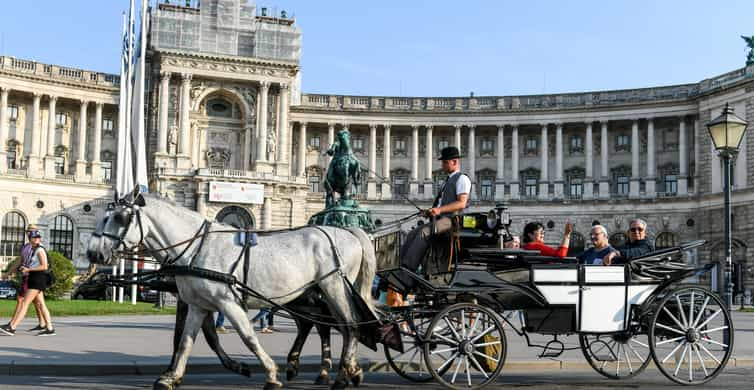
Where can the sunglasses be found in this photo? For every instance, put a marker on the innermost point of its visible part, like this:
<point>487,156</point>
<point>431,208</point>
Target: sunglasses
<point>636,230</point>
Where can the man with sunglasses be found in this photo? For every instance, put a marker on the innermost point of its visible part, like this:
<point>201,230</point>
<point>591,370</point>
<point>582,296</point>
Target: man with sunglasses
<point>636,246</point>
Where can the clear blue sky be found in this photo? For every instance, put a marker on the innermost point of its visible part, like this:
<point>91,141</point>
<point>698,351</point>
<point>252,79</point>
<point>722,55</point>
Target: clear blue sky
<point>439,48</point>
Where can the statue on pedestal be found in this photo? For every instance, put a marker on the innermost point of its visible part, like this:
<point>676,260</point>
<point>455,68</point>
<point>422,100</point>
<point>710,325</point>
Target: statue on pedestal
<point>750,45</point>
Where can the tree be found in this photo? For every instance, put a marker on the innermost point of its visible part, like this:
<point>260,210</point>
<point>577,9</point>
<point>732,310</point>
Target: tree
<point>64,271</point>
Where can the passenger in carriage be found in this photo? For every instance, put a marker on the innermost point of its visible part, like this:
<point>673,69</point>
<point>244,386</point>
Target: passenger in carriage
<point>452,199</point>
<point>637,244</point>
<point>600,249</point>
<point>534,239</point>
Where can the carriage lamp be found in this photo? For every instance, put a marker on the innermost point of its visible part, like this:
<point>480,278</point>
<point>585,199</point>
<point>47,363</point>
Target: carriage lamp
<point>726,132</point>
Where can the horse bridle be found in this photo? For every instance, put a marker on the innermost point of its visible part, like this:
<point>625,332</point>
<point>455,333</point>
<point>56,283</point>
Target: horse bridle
<point>126,213</point>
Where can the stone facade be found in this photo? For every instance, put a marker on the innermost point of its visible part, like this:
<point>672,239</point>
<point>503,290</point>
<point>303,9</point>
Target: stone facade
<point>236,115</point>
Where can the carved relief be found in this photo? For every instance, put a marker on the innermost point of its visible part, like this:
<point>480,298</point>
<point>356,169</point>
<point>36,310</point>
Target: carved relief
<point>218,157</point>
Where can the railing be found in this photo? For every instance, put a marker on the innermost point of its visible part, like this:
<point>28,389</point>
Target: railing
<point>241,174</point>
<point>54,71</point>
<point>68,178</point>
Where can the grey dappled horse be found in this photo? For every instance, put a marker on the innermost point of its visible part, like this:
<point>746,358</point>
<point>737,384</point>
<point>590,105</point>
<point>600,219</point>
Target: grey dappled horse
<point>280,265</point>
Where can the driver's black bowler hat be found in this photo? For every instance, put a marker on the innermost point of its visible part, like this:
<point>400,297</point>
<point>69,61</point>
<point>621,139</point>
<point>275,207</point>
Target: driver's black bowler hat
<point>449,153</point>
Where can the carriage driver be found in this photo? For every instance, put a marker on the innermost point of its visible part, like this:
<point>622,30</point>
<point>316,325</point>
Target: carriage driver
<point>452,199</point>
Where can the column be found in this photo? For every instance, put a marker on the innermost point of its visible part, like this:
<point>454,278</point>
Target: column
<point>81,160</point>
<point>261,163</point>
<point>696,154</point>
<point>386,190</point>
<point>3,129</point>
<point>246,155</point>
<point>457,139</point>
<point>372,182</point>
<point>267,214</point>
<point>604,178</point>
<point>330,141</point>
<point>184,153</point>
<point>472,155</point>
<point>635,174</point>
<point>162,136</point>
<point>49,160</point>
<point>589,157</point>
<point>683,163</point>
<point>96,164</point>
<point>414,183</point>
<point>514,183</point>
<point>544,180</point>
<point>430,156</point>
<point>500,174</point>
<point>282,141</point>
<point>302,143</point>
<point>34,155</point>
<point>559,161</point>
<point>650,189</point>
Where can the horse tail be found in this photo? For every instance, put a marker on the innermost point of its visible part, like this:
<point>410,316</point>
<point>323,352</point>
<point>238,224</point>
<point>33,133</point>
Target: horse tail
<point>368,269</point>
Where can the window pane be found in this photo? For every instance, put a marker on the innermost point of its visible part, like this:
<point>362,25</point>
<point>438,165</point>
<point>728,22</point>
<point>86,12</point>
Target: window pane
<point>13,229</point>
<point>61,236</point>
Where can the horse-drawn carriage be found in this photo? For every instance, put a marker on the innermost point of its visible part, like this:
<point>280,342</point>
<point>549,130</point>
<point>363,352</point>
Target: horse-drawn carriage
<point>623,315</point>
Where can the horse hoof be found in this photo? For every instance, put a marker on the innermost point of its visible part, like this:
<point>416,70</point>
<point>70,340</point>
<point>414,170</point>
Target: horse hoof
<point>163,384</point>
<point>357,378</point>
<point>272,386</point>
<point>338,384</point>
<point>322,379</point>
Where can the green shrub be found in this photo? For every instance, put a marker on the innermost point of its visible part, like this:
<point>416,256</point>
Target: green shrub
<point>64,271</point>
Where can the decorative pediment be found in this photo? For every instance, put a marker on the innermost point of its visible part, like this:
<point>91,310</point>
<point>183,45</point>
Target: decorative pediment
<point>61,151</point>
<point>218,156</point>
<point>107,155</point>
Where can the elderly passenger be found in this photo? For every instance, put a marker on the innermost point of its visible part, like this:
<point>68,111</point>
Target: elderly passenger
<point>636,246</point>
<point>600,249</point>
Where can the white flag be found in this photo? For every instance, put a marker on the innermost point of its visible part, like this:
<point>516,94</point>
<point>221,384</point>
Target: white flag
<point>138,122</point>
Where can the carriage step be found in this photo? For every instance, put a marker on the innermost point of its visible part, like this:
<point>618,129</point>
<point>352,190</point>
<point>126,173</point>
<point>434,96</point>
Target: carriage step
<point>550,354</point>
<point>605,358</point>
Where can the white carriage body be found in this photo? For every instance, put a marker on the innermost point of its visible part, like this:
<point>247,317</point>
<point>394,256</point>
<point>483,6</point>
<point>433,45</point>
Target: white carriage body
<point>601,296</point>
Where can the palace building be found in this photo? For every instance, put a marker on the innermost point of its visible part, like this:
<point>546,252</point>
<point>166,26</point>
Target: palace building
<point>226,116</point>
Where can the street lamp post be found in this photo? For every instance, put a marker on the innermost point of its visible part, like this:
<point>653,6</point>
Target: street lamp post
<point>726,132</point>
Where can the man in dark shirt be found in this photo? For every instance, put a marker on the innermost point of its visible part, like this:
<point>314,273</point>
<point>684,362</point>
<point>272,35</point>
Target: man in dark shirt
<point>637,244</point>
<point>601,248</point>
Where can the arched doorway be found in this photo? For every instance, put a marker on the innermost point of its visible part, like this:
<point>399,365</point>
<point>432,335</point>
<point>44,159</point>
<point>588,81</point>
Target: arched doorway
<point>61,236</point>
<point>218,136</point>
<point>13,227</point>
<point>236,216</point>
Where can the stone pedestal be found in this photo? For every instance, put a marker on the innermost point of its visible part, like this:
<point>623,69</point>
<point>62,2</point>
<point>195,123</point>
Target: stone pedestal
<point>263,167</point>
<point>183,161</point>
<point>96,172</point>
<point>413,190</point>
<point>282,169</point>
<point>604,189</point>
<point>588,189</point>
<point>544,191</point>
<point>49,167</point>
<point>386,192</point>
<point>429,191</point>
<point>372,190</point>
<point>558,190</point>
<point>683,186</point>
<point>345,213</point>
<point>33,168</point>
<point>80,174</point>
<point>650,190</point>
<point>515,192</point>
<point>634,189</point>
<point>499,191</point>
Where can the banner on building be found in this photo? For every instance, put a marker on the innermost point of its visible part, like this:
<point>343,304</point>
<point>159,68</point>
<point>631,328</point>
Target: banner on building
<point>220,191</point>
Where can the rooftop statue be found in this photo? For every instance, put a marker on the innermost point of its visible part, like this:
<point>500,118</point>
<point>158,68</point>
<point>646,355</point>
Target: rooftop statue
<point>750,45</point>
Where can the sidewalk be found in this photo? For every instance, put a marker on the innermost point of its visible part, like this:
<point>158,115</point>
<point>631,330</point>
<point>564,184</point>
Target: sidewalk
<point>142,345</point>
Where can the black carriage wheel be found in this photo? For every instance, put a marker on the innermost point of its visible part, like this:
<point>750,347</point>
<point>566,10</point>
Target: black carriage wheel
<point>465,346</point>
<point>616,356</point>
<point>410,364</point>
<point>691,336</point>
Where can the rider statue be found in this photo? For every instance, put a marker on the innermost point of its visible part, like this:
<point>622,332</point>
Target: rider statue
<point>343,177</point>
<point>750,44</point>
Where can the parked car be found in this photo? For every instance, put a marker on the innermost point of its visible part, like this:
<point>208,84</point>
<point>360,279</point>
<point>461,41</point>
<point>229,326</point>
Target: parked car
<point>7,290</point>
<point>95,288</point>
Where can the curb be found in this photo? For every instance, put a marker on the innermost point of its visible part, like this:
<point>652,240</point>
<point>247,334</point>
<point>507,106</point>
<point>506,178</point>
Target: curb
<point>152,369</point>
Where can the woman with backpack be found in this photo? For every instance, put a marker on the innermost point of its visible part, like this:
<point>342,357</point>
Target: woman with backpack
<point>35,280</point>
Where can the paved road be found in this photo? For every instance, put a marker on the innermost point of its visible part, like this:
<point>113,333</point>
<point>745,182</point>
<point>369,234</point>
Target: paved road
<point>737,378</point>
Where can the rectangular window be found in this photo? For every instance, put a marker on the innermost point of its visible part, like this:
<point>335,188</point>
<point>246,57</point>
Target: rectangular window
<point>60,165</point>
<point>314,142</point>
<point>622,143</point>
<point>577,145</point>
<point>576,188</point>
<point>622,186</point>
<point>107,125</point>
<point>442,144</point>
<point>488,145</point>
<point>13,112</point>
<point>314,183</point>
<point>358,143</point>
<point>439,181</point>
<point>107,171</point>
<point>486,190</point>
<point>60,119</point>
<point>530,187</point>
<point>531,145</point>
<point>11,157</point>
<point>400,145</point>
<point>671,184</point>
<point>400,184</point>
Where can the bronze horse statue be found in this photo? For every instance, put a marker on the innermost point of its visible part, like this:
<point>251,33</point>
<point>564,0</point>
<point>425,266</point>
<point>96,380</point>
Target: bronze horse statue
<point>343,172</point>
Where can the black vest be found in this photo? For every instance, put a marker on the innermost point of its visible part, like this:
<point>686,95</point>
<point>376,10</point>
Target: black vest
<point>448,192</point>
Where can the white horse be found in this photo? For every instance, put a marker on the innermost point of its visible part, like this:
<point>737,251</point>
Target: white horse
<point>280,265</point>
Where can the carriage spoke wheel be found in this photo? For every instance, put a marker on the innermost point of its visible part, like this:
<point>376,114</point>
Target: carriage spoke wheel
<point>410,364</point>
<point>691,336</point>
<point>465,346</point>
<point>616,356</point>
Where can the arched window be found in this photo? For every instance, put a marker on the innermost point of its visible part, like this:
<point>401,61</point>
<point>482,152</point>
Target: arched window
<point>666,240</point>
<point>235,216</point>
<point>618,240</point>
<point>14,225</point>
<point>61,236</point>
<point>578,244</point>
<point>218,107</point>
